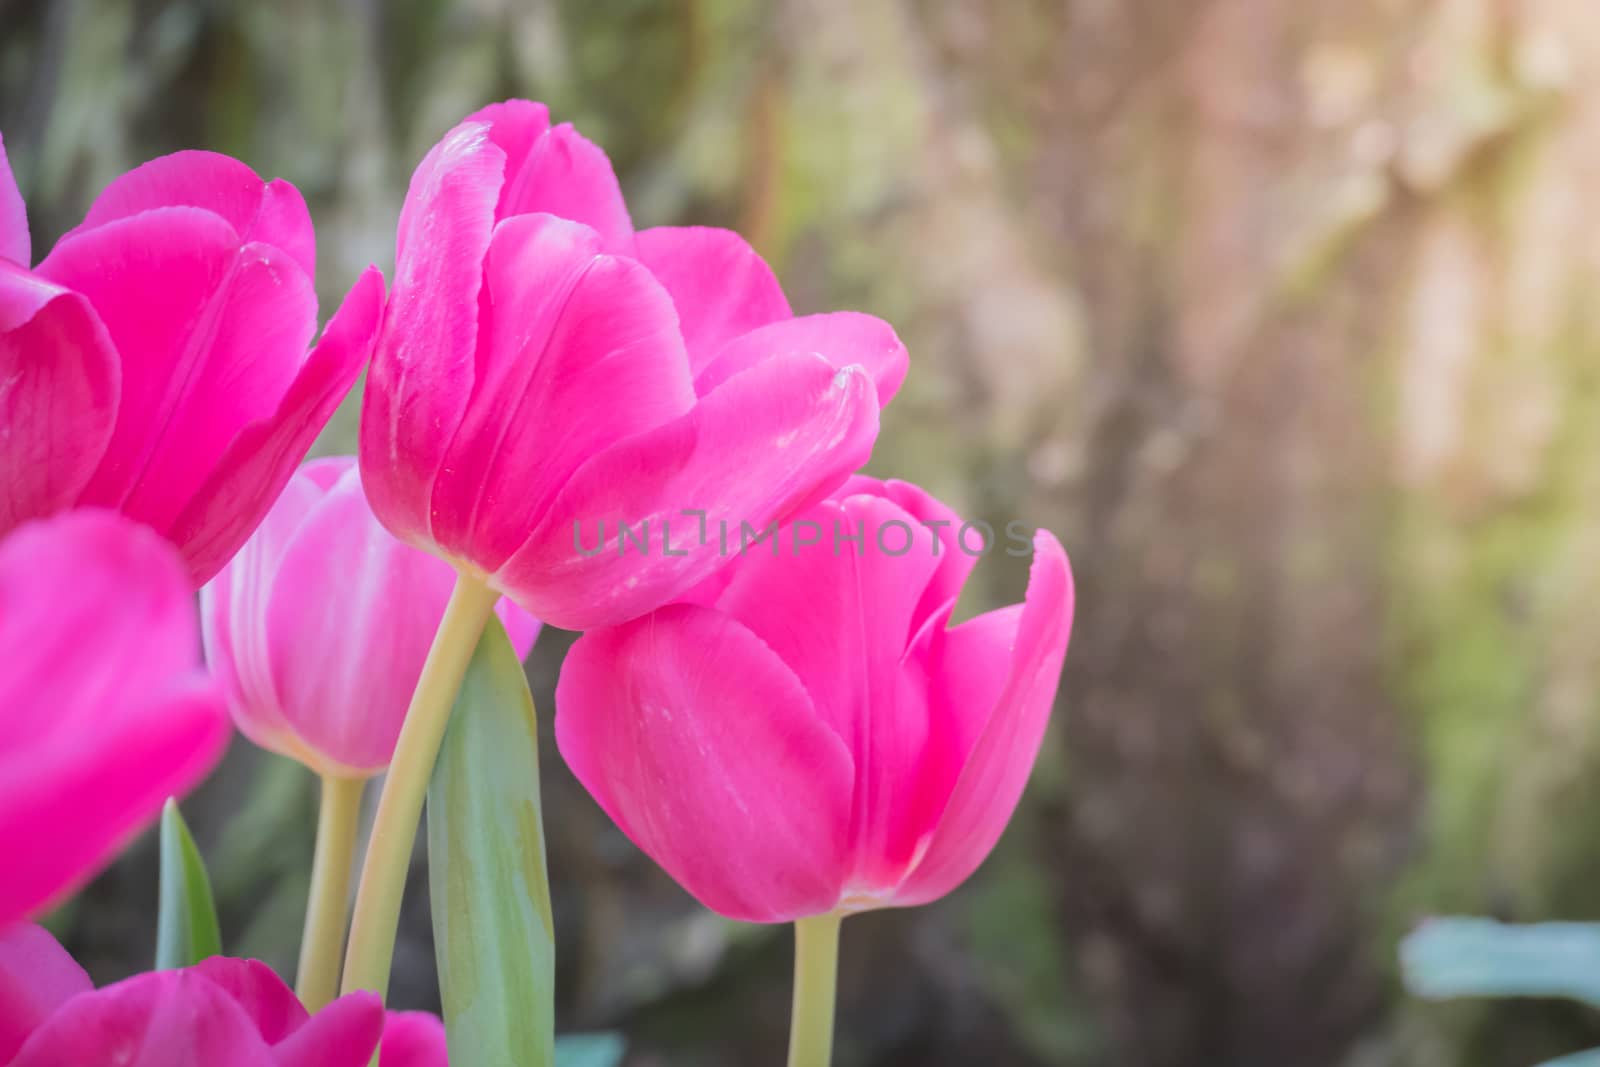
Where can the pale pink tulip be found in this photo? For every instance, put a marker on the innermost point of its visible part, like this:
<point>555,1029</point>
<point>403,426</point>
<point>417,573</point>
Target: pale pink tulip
<point>219,1013</point>
<point>542,368</point>
<point>319,626</point>
<point>107,709</point>
<point>157,359</point>
<point>817,739</point>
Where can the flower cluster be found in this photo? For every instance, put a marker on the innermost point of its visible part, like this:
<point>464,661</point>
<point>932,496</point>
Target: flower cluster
<point>792,736</point>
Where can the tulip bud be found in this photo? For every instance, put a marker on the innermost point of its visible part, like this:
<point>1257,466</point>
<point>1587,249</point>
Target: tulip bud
<point>318,628</point>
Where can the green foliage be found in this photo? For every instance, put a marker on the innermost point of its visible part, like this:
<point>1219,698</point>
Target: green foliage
<point>492,929</point>
<point>1462,957</point>
<point>187,930</point>
<point>1466,957</point>
<point>590,1050</point>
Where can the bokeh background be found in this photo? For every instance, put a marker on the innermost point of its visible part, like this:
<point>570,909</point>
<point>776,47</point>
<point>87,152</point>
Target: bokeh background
<point>1285,316</point>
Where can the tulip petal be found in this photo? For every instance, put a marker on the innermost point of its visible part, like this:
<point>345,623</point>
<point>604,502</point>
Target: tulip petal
<point>210,334</point>
<point>413,1039</point>
<point>233,613</point>
<point>704,748</point>
<point>567,175</point>
<point>966,669</point>
<point>970,665</point>
<point>771,440</point>
<point>956,555</point>
<point>159,1019</point>
<point>721,287</point>
<point>337,702</point>
<point>242,486</point>
<point>577,351</point>
<point>513,126</point>
<point>273,1008</point>
<point>808,603</point>
<point>108,712</point>
<point>272,213</point>
<point>993,779</point>
<point>59,401</point>
<point>37,976</point>
<point>344,1034</point>
<point>422,372</point>
<point>842,338</point>
<point>805,600</point>
<point>84,808</point>
<point>15,244</point>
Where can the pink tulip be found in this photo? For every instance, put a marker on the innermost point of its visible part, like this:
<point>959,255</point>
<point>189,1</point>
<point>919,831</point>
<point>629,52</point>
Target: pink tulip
<point>414,1039</point>
<point>157,358</point>
<point>16,244</point>
<point>219,1013</point>
<point>543,369</point>
<point>817,740</point>
<point>319,626</point>
<point>107,710</point>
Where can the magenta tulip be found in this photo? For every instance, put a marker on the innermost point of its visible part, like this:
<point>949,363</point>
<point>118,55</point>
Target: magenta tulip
<point>107,709</point>
<point>219,1013</point>
<point>157,358</point>
<point>414,1039</point>
<point>16,244</point>
<point>319,626</point>
<point>544,370</point>
<point>817,740</point>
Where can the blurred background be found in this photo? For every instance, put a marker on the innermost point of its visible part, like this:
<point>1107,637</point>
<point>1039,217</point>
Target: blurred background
<point>1282,315</point>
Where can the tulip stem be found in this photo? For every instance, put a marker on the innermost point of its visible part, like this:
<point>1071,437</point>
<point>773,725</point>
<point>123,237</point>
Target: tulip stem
<point>816,976</point>
<point>394,829</point>
<point>322,945</point>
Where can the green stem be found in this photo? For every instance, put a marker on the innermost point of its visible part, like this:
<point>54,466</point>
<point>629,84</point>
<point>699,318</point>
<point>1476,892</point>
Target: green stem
<point>322,945</point>
<point>394,829</point>
<point>816,974</point>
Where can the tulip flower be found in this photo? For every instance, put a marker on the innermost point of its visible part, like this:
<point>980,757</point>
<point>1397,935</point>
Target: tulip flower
<point>541,368</point>
<point>816,740</point>
<point>219,1013</point>
<point>413,1039</point>
<point>318,629</point>
<point>157,358</point>
<point>107,709</point>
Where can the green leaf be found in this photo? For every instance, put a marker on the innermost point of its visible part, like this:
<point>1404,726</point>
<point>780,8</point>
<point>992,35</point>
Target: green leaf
<point>492,932</point>
<point>1459,957</point>
<point>186,930</point>
<point>1577,1059</point>
<point>590,1050</point>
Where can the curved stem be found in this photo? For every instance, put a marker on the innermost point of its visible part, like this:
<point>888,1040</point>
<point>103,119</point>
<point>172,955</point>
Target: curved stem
<point>816,973</point>
<point>394,829</point>
<point>322,945</point>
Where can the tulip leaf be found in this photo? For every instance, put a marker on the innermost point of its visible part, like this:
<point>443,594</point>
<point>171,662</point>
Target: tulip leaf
<point>492,931</point>
<point>590,1050</point>
<point>1590,1058</point>
<point>1462,957</point>
<point>186,924</point>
